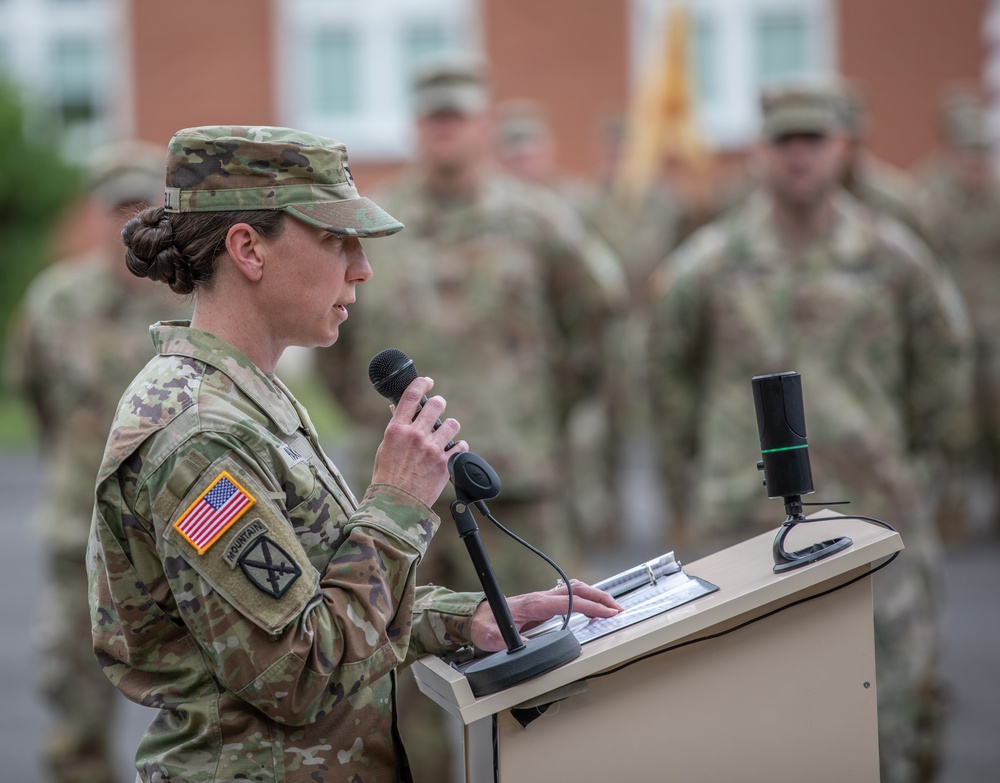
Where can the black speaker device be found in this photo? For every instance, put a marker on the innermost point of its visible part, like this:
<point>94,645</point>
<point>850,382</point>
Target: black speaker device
<point>781,426</point>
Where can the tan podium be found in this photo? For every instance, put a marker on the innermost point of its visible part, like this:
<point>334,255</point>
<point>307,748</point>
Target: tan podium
<point>790,697</point>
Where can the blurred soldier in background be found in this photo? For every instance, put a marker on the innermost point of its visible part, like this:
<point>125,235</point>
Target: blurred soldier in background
<point>884,188</point>
<point>960,215</point>
<point>81,335</point>
<point>525,144</point>
<point>641,228</point>
<point>498,292</point>
<point>598,432</point>
<point>641,225</point>
<point>803,277</point>
<point>874,182</point>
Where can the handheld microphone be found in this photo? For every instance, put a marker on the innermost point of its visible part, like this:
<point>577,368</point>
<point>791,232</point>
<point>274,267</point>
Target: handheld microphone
<point>390,372</point>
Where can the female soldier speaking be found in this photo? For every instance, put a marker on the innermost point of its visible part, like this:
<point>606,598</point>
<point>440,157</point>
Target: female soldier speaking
<point>236,584</point>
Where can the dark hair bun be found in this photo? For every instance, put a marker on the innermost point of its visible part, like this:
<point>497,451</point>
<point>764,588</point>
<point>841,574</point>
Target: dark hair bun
<point>151,252</point>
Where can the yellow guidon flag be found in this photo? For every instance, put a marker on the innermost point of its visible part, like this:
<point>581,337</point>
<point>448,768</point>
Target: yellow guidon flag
<point>213,513</point>
<point>662,116</point>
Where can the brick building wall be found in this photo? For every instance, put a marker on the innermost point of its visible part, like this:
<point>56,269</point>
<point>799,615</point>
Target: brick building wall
<point>201,62</point>
<point>570,55</point>
<point>903,54</point>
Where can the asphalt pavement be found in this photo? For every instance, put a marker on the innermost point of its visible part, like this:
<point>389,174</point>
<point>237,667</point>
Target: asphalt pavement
<point>971,628</point>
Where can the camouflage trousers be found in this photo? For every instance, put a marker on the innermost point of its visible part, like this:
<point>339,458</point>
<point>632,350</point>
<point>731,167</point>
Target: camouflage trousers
<point>80,698</point>
<point>592,460</point>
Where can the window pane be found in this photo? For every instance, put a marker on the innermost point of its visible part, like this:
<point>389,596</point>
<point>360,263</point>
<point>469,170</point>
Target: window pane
<point>76,79</point>
<point>349,65</point>
<point>424,40</point>
<point>705,59</point>
<point>782,46</point>
<point>336,56</point>
<point>420,42</point>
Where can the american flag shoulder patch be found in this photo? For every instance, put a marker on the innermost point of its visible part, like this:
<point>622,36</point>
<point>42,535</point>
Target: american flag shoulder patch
<point>213,512</point>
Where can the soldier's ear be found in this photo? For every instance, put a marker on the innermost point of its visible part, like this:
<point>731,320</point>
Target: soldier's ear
<point>246,250</point>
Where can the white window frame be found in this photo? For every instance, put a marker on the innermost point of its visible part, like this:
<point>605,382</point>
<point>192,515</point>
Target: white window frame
<point>731,119</point>
<point>31,29</point>
<point>383,128</point>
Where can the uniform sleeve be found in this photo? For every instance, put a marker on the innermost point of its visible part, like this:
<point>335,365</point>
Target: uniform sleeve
<point>285,635</point>
<point>24,369</point>
<point>678,339</point>
<point>939,347</point>
<point>442,621</point>
<point>587,291</point>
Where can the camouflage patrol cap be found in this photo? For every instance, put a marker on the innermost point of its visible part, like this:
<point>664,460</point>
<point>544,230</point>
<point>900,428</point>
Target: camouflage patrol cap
<point>219,168</point>
<point>127,172</point>
<point>966,123</point>
<point>803,108</point>
<point>520,121</point>
<point>451,83</point>
<point>853,113</point>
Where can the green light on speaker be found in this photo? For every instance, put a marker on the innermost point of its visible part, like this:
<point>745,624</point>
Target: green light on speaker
<point>784,448</point>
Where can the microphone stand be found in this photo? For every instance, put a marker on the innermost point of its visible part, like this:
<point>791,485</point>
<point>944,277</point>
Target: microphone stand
<point>781,425</point>
<point>475,482</point>
<point>786,561</point>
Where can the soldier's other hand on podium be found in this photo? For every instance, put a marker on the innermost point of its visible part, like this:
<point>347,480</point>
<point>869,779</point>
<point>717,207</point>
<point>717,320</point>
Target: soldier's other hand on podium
<point>531,609</point>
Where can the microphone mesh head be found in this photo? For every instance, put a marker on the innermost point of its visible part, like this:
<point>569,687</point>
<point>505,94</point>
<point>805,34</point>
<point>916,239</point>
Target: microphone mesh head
<point>390,372</point>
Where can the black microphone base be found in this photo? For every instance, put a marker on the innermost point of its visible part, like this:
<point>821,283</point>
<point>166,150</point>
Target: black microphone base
<point>539,655</point>
<point>786,561</point>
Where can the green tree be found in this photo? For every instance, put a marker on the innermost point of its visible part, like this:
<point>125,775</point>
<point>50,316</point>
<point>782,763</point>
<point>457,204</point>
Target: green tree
<point>36,186</point>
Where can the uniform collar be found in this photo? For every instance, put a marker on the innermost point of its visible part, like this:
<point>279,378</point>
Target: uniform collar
<point>849,240</point>
<point>178,338</point>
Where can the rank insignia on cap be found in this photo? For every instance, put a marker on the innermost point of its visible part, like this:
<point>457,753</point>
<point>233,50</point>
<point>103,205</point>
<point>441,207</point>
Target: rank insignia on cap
<point>212,514</point>
<point>269,567</point>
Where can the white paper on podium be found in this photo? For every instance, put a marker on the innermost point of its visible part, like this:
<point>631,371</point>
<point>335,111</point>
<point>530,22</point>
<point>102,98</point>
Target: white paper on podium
<point>644,591</point>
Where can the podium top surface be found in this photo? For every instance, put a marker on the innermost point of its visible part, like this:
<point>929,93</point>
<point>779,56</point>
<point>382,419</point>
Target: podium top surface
<point>747,587</point>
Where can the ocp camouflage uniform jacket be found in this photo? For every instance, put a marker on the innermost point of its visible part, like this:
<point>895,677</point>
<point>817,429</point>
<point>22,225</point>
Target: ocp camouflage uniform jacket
<point>962,227</point>
<point>238,586</point>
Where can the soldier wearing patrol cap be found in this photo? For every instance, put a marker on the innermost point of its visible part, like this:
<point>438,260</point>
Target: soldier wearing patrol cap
<point>959,204</point>
<point>79,337</point>
<point>803,277</point>
<point>237,585</point>
<point>874,182</point>
<point>525,144</point>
